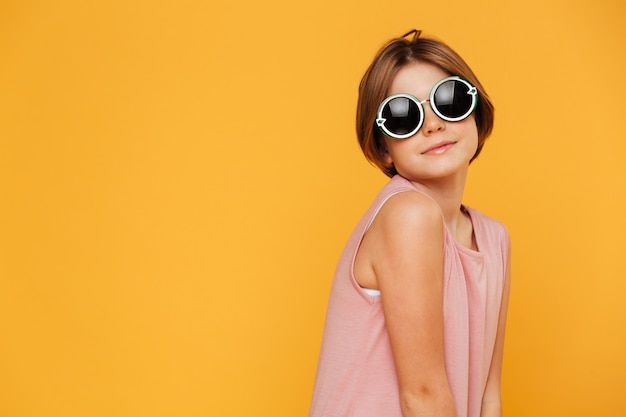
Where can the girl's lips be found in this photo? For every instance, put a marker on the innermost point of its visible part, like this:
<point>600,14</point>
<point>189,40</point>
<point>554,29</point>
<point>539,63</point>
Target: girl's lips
<point>438,148</point>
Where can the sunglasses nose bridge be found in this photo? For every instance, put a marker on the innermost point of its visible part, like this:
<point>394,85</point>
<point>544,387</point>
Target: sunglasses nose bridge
<point>425,101</point>
<point>430,108</point>
<point>432,121</point>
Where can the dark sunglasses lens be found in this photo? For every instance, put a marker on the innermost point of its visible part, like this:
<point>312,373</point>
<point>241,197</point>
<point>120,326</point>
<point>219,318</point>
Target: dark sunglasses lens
<point>452,99</point>
<point>401,115</point>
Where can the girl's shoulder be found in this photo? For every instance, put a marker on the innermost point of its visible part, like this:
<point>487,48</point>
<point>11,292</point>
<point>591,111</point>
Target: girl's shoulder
<point>400,204</point>
<point>410,209</point>
<point>403,192</point>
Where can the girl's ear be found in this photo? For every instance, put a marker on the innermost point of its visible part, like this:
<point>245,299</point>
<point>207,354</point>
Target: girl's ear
<point>387,157</point>
<point>388,162</point>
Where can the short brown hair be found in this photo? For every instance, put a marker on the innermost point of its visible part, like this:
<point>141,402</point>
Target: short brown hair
<point>377,80</point>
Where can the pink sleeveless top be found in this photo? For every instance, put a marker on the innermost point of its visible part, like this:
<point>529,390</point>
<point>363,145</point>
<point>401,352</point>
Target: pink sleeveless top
<point>356,374</point>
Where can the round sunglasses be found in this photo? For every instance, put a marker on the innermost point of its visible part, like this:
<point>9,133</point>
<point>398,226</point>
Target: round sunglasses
<point>401,115</point>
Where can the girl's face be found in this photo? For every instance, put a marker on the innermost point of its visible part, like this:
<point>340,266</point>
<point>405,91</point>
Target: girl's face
<point>439,149</point>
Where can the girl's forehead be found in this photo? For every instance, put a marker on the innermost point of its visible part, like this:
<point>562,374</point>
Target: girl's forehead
<point>416,78</point>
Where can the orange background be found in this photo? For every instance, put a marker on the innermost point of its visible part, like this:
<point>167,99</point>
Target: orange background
<point>178,179</point>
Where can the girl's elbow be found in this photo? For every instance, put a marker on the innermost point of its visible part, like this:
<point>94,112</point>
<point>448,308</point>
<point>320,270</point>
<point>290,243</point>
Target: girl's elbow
<point>427,401</point>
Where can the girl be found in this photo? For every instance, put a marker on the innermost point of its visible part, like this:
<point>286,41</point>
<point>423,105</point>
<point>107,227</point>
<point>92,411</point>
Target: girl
<point>417,310</point>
